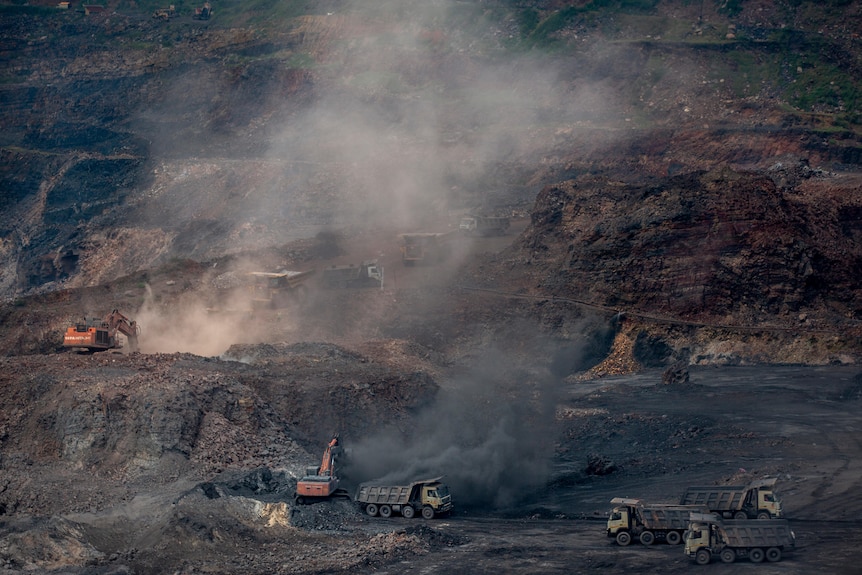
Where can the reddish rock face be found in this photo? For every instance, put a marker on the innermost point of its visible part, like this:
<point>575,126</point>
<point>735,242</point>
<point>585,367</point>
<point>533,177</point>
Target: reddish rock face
<point>719,244</point>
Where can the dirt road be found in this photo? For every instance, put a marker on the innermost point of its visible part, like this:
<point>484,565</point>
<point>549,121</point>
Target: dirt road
<point>547,546</point>
<point>799,424</point>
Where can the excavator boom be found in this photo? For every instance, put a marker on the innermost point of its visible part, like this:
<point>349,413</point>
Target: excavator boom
<point>327,461</point>
<point>129,328</point>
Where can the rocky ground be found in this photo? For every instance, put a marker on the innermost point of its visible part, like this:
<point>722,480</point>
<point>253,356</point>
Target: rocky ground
<point>676,301</point>
<point>538,411</point>
<point>150,463</point>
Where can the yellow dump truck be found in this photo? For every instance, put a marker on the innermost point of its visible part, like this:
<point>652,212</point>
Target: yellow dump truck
<point>429,497</point>
<point>632,519</point>
<point>755,500</point>
<point>757,539</point>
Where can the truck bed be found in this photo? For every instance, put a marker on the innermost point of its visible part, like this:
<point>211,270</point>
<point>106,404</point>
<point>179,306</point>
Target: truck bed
<point>384,494</point>
<point>389,494</point>
<point>759,533</point>
<point>666,518</point>
<point>716,498</point>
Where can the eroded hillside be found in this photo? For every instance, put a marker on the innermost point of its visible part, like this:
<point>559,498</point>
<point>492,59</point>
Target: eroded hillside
<point>132,141</point>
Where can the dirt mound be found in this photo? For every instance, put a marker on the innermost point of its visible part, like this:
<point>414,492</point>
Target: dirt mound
<point>151,419</point>
<point>213,526</point>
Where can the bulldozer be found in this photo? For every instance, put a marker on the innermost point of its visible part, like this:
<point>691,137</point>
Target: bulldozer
<point>204,12</point>
<point>165,14</point>
<point>93,334</point>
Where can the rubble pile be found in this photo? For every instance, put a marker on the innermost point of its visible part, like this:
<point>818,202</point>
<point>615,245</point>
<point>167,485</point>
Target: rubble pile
<point>134,419</point>
<point>222,441</point>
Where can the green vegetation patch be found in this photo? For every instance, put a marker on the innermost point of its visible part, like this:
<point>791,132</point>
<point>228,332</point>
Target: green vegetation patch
<point>824,85</point>
<point>14,9</point>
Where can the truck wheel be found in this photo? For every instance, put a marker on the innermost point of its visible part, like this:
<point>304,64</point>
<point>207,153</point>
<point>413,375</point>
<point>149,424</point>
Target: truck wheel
<point>740,515</point>
<point>673,538</point>
<point>371,510</point>
<point>624,538</point>
<point>408,512</point>
<point>647,538</point>
<point>756,555</point>
<point>300,500</point>
<point>385,511</point>
<point>703,557</point>
<point>728,555</point>
<point>428,513</point>
<point>764,515</point>
<point>773,554</point>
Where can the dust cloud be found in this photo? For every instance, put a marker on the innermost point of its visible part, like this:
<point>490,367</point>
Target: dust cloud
<point>405,114</point>
<point>491,433</point>
<point>411,113</point>
<point>191,327</point>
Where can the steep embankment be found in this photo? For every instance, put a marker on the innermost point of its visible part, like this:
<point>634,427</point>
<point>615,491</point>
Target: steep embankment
<point>152,140</point>
<point>767,260</point>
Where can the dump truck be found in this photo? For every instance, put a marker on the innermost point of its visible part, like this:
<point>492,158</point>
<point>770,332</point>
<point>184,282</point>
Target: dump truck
<point>483,225</point>
<point>366,274</point>
<point>424,248</point>
<point>273,290</point>
<point>755,500</point>
<point>632,518</point>
<point>320,482</point>
<point>757,539</point>
<point>93,334</point>
<point>428,497</point>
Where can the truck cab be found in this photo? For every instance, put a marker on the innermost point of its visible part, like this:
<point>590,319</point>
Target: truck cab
<point>765,501</point>
<point>436,495</point>
<point>620,519</point>
<point>373,271</point>
<point>700,535</point>
<point>467,224</point>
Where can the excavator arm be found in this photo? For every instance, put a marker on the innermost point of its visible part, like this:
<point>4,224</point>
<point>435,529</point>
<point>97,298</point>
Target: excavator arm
<point>324,483</point>
<point>326,464</point>
<point>129,328</point>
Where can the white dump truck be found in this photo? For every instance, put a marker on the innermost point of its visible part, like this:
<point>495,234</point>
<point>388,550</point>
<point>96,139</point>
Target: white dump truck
<point>757,499</point>
<point>366,274</point>
<point>483,225</point>
<point>757,539</point>
<point>632,519</point>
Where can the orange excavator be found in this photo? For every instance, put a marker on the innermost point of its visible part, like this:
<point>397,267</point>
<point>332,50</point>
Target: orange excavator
<point>321,482</point>
<point>95,334</point>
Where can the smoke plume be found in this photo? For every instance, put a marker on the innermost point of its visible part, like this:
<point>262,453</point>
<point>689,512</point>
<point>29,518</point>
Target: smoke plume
<point>491,434</point>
